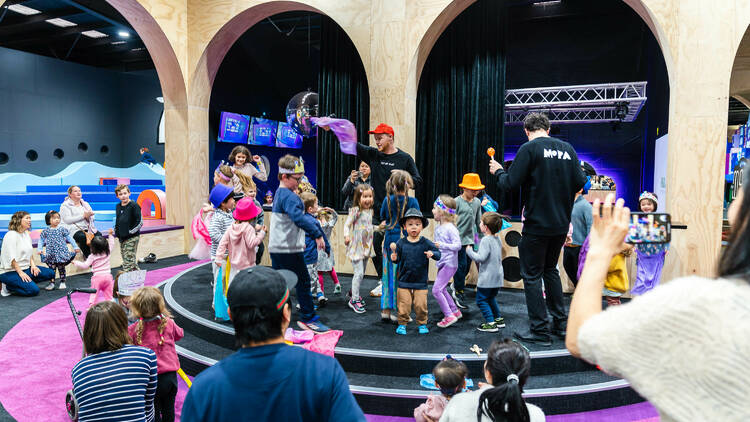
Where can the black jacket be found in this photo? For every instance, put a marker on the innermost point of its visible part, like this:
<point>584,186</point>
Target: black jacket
<point>128,220</point>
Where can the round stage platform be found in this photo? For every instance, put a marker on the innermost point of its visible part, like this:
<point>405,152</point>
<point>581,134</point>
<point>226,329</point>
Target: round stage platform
<point>384,368</point>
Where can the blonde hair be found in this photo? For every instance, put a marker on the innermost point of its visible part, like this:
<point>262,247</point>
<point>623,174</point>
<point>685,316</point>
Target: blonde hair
<point>147,302</point>
<point>400,181</point>
<point>246,182</point>
<point>70,189</point>
<point>121,187</point>
<point>309,199</point>
<point>449,202</point>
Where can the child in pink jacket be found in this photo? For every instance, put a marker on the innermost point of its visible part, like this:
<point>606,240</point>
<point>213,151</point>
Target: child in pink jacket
<point>241,240</point>
<point>101,279</point>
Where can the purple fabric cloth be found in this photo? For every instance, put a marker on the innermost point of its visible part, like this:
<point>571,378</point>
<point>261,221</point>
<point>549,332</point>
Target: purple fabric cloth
<point>649,271</point>
<point>440,290</point>
<point>582,256</point>
<point>344,131</point>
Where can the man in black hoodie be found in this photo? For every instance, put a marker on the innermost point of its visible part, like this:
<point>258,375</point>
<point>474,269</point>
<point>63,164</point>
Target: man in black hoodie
<point>549,174</point>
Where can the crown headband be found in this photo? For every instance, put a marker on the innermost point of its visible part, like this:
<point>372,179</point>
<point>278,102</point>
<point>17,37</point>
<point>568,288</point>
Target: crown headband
<point>439,203</point>
<point>299,167</point>
<point>648,195</point>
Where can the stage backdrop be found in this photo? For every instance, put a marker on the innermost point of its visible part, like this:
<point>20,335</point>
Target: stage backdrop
<point>460,101</point>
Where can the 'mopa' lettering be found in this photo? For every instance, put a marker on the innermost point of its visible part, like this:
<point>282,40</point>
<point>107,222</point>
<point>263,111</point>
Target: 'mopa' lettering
<point>553,153</point>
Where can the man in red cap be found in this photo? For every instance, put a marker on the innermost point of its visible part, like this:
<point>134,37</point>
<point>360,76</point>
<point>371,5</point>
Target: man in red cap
<point>382,160</point>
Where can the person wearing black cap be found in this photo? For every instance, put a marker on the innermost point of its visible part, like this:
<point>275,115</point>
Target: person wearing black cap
<point>267,380</point>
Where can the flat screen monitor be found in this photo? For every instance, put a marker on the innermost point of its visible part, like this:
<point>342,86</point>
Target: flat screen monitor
<point>287,137</point>
<point>263,132</point>
<point>234,127</point>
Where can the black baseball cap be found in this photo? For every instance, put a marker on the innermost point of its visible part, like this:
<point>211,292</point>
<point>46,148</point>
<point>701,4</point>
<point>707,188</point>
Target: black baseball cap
<point>262,287</point>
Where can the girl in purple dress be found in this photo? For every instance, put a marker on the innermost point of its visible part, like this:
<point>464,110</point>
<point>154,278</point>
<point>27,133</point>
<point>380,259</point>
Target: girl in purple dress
<point>650,256</point>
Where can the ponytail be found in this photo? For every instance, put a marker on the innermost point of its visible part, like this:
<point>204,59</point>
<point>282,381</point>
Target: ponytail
<point>509,365</point>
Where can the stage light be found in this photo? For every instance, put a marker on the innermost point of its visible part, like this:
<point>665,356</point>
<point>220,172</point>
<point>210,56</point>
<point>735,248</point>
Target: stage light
<point>124,34</point>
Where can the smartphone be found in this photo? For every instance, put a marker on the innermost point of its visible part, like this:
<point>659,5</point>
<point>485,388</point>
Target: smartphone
<point>649,227</point>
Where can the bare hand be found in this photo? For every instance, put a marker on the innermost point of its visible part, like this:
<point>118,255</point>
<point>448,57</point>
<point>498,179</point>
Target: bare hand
<point>437,245</point>
<point>485,201</point>
<point>495,166</point>
<point>25,277</point>
<point>218,263</point>
<point>87,214</point>
<point>35,270</point>
<point>393,247</point>
<point>428,254</point>
<point>321,243</point>
<point>347,240</point>
<point>468,248</point>
<point>353,175</point>
<point>608,230</point>
<point>258,227</point>
<point>256,158</point>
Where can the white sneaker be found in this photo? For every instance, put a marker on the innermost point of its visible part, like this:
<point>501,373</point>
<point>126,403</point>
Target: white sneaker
<point>378,291</point>
<point>4,292</point>
<point>62,286</point>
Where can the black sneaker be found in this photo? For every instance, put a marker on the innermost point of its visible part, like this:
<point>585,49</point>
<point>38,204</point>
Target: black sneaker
<point>488,327</point>
<point>459,298</point>
<point>531,337</point>
<point>558,332</point>
<point>500,322</point>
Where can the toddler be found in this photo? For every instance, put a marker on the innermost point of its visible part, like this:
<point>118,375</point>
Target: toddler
<point>327,218</point>
<point>450,379</point>
<point>260,220</point>
<point>358,238</point>
<point>394,207</point>
<point>311,248</point>
<point>98,260</point>
<point>123,290</point>
<point>157,330</point>
<point>54,249</point>
<point>411,254</point>
<point>241,239</point>
<point>649,256</point>
<point>490,279</point>
<point>449,243</point>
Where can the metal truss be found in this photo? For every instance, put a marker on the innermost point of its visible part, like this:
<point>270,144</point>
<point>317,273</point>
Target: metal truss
<point>615,102</point>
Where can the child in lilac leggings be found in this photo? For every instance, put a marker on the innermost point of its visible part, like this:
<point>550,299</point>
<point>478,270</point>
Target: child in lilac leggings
<point>449,243</point>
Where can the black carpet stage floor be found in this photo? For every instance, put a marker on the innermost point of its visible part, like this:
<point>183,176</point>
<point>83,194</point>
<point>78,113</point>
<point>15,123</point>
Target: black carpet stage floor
<point>383,368</point>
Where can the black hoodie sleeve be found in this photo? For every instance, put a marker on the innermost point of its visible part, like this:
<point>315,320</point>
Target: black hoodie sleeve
<point>517,173</point>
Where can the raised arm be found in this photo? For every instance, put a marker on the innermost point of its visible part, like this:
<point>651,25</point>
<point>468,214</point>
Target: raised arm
<point>483,253</point>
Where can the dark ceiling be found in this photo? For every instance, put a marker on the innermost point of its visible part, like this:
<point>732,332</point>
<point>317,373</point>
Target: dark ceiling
<point>34,34</point>
<point>738,112</point>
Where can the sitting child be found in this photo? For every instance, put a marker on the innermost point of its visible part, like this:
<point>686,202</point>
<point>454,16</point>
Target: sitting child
<point>450,379</point>
<point>411,254</point>
<point>490,279</point>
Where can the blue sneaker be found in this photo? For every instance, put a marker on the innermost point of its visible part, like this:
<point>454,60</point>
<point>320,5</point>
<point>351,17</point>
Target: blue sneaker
<point>314,326</point>
<point>423,329</point>
<point>401,330</point>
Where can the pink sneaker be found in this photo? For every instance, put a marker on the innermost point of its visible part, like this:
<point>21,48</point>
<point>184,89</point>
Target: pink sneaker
<point>447,321</point>
<point>458,315</point>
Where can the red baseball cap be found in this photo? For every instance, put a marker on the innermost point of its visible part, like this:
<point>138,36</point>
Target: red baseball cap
<point>382,128</point>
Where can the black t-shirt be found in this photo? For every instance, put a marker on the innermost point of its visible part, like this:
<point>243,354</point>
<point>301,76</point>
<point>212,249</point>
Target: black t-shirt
<point>549,174</point>
<point>380,169</point>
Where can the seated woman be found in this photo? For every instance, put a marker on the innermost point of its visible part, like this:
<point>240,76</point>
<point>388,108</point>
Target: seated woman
<point>78,217</point>
<point>116,380</point>
<point>683,345</point>
<point>18,273</point>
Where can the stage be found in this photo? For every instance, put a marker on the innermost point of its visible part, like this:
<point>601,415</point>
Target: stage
<point>383,368</point>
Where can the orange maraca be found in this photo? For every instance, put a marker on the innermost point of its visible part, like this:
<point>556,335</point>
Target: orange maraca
<point>491,153</point>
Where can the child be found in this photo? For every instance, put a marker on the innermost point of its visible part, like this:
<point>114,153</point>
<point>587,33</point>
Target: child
<point>53,248</point>
<point>358,238</point>
<point>222,198</point>
<point>157,330</point>
<point>617,281</point>
<point>412,254</point>
<point>506,370</point>
<point>128,222</point>
<point>241,239</point>
<point>146,157</point>
<point>286,242</point>
<point>268,199</point>
<point>449,243</point>
<point>490,280</point>
<point>394,207</point>
<point>450,379</point>
<point>469,213</point>
<point>311,248</point>
<point>240,156</point>
<point>260,220</point>
<point>122,292</point>
<point>98,260</point>
<point>649,256</point>
<point>327,218</point>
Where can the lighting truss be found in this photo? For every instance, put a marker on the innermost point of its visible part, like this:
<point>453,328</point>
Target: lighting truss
<point>614,102</point>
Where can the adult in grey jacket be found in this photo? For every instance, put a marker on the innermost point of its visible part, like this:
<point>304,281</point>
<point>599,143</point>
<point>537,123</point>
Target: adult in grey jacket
<point>356,178</point>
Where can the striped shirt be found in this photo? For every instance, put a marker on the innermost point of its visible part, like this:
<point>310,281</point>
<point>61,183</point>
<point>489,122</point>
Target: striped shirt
<point>219,224</point>
<point>116,386</point>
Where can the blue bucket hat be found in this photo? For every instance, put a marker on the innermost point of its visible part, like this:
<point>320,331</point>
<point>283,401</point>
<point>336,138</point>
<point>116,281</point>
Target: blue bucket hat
<point>219,194</point>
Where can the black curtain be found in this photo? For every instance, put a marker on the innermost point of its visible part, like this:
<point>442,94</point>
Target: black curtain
<point>342,89</point>
<point>460,102</point>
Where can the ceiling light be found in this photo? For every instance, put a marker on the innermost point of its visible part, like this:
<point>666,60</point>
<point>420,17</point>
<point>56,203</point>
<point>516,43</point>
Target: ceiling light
<point>23,10</point>
<point>94,34</point>
<point>123,34</point>
<point>137,49</point>
<point>62,23</point>
<point>548,3</point>
<point>160,99</point>
<point>118,42</point>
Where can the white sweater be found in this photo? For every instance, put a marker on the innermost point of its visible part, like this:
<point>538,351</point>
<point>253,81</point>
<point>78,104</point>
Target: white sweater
<point>463,408</point>
<point>683,346</point>
<point>16,246</point>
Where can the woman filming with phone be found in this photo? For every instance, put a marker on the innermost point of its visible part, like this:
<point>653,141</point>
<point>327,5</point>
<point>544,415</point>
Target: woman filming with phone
<point>684,345</point>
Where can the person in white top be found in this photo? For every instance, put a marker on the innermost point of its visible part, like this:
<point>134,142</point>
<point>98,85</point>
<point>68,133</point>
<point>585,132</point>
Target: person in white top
<point>18,272</point>
<point>506,370</point>
<point>78,218</point>
<point>683,345</point>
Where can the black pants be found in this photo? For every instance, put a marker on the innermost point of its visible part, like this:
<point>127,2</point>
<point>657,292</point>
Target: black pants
<point>459,278</point>
<point>80,238</point>
<point>570,262</point>
<point>259,253</point>
<point>295,262</point>
<point>538,256</point>
<point>166,391</point>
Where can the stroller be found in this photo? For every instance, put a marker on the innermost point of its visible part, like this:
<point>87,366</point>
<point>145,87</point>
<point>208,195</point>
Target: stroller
<point>71,405</point>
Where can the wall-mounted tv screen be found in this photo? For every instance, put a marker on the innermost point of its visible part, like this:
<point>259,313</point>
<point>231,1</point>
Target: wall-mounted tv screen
<point>263,132</point>
<point>287,137</point>
<point>234,127</point>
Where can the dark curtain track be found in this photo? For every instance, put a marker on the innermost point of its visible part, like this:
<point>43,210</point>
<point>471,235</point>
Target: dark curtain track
<point>343,91</point>
<point>460,102</point>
